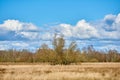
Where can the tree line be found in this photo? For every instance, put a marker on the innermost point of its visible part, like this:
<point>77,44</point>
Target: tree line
<point>59,54</point>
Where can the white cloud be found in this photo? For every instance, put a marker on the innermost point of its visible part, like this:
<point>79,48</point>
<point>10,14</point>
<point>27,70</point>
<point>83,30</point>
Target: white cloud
<point>106,29</point>
<point>20,44</point>
<point>109,47</point>
<point>15,25</point>
<point>109,17</point>
<point>19,30</point>
<point>30,35</point>
<point>85,30</point>
<point>81,30</point>
<point>117,20</point>
<point>110,27</point>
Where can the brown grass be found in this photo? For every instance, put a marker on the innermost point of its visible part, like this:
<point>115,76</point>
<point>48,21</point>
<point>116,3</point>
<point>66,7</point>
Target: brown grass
<point>84,71</point>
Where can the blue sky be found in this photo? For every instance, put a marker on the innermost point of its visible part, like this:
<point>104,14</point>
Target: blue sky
<point>33,22</point>
<point>42,12</point>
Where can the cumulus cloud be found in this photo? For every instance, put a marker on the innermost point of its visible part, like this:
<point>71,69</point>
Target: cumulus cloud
<point>83,32</point>
<point>107,28</point>
<point>15,25</point>
<point>16,30</point>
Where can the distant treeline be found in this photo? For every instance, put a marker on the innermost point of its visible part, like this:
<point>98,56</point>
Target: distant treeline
<point>59,54</point>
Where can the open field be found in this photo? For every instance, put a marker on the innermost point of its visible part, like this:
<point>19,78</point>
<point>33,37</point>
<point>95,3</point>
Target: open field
<point>83,71</point>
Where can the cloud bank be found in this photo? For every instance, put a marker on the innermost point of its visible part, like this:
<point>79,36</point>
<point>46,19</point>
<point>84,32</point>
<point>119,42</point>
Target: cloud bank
<point>16,34</point>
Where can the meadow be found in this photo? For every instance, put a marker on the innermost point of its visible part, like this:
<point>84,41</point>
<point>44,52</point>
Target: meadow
<point>39,71</point>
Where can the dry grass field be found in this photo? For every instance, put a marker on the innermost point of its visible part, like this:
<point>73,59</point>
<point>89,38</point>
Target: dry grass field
<point>83,71</point>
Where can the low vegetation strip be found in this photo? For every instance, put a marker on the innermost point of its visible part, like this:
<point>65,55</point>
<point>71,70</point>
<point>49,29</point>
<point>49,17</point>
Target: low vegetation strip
<point>59,54</point>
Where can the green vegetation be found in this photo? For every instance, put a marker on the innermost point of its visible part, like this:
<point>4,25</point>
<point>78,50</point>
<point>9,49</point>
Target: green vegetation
<point>60,55</point>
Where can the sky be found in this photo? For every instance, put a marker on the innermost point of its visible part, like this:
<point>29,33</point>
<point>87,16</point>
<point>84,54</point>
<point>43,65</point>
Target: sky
<point>30,23</point>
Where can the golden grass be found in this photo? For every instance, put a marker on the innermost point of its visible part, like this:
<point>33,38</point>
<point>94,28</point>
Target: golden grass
<point>84,71</point>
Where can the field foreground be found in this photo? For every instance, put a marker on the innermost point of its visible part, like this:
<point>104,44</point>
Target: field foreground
<point>83,71</point>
